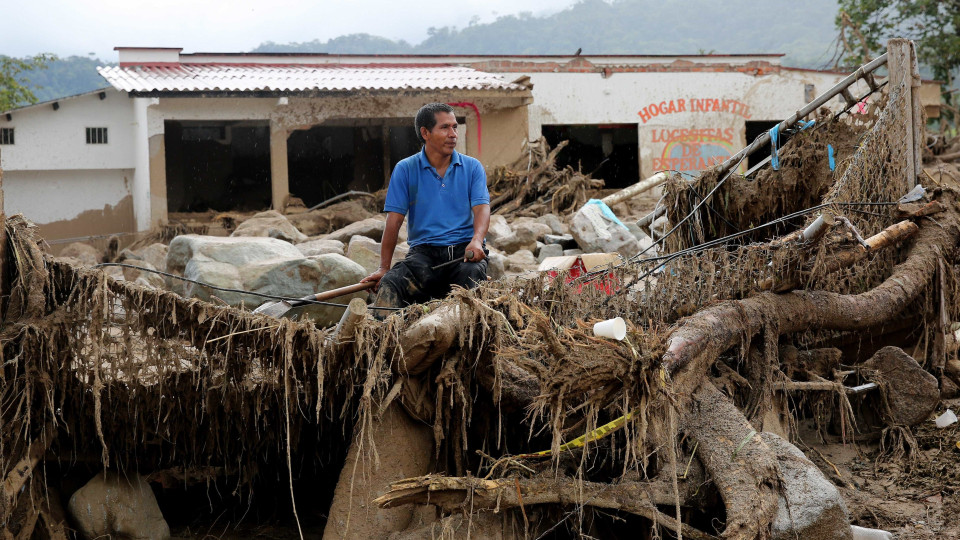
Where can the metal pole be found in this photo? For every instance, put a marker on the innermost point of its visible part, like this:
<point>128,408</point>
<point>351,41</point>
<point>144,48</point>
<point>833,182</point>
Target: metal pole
<point>762,140</point>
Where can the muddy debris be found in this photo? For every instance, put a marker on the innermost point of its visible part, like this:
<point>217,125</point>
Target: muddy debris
<point>786,352</point>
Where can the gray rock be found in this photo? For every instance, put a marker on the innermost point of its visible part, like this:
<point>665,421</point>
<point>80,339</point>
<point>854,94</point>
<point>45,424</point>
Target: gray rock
<point>531,229</point>
<point>320,246</point>
<point>331,218</point>
<point>370,227</point>
<point>568,252</point>
<point>235,251</point>
<point>300,277</point>
<point>557,226</point>
<point>595,232</point>
<point>549,250</point>
<point>86,254</point>
<point>219,274</point>
<point>496,265</point>
<point>155,254</point>
<point>521,261</point>
<point>911,392</point>
<point>365,252</point>
<point>114,506</point>
<point>271,224</point>
<point>499,228</point>
<point>566,241</point>
<point>147,279</point>
<point>811,506</point>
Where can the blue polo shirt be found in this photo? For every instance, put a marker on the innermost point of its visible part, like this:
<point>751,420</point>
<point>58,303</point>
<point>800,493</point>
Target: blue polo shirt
<point>440,209</point>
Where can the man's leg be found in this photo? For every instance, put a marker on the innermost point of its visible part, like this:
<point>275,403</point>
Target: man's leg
<point>469,274</point>
<point>407,282</point>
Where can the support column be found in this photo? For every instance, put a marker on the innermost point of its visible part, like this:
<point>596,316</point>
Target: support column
<point>902,64</point>
<point>279,175</point>
<point>158,180</point>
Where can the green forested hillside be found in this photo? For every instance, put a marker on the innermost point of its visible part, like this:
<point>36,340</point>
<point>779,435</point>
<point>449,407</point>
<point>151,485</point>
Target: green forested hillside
<point>804,31</point>
<point>64,77</point>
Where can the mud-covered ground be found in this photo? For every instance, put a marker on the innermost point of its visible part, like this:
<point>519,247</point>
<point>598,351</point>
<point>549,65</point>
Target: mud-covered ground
<point>914,495</point>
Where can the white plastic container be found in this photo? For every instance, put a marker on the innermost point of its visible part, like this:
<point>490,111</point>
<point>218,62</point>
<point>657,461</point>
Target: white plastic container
<point>611,328</point>
<point>862,533</point>
<point>946,419</point>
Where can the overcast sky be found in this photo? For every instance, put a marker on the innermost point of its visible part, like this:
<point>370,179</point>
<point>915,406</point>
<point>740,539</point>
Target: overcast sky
<point>75,27</point>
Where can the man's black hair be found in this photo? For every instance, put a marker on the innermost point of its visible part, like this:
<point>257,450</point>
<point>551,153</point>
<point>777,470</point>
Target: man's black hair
<point>427,117</point>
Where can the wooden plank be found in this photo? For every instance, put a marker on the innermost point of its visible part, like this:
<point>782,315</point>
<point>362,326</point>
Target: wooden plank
<point>904,71</point>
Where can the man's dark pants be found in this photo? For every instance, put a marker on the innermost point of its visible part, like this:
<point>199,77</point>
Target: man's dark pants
<point>414,281</point>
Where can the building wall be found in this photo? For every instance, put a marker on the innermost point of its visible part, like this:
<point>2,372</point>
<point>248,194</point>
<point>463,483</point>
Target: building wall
<point>48,139</point>
<point>686,121</point>
<point>66,186</point>
<point>71,203</point>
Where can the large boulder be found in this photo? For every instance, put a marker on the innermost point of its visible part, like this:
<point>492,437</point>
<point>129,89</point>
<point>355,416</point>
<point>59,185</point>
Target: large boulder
<point>84,254</point>
<point>366,252</point>
<point>320,246</point>
<point>112,505</point>
<point>910,392</point>
<point>302,277</point>
<point>271,224</point>
<point>219,274</point>
<point>370,227</point>
<point>235,251</point>
<point>810,505</point>
<point>596,229</point>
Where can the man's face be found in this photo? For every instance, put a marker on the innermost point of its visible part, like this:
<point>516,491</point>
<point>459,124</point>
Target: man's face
<point>443,137</point>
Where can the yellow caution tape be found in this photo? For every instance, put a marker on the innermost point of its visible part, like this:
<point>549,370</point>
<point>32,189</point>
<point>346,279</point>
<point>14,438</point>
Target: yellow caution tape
<point>594,435</point>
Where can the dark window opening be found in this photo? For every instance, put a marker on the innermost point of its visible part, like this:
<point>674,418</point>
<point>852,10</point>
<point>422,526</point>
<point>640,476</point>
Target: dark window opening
<point>754,130</point>
<point>609,151</point>
<point>6,135</point>
<point>96,135</point>
<point>325,161</point>
<point>217,165</point>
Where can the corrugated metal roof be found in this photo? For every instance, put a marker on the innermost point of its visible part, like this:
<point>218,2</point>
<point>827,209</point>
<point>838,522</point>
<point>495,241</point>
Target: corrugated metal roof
<point>299,78</point>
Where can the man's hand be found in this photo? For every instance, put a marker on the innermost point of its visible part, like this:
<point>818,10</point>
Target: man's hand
<point>477,248</point>
<point>375,277</point>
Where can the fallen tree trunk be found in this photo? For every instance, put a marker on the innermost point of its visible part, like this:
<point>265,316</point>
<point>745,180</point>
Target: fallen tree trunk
<point>739,462</point>
<point>699,339</point>
<point>451,494</point>
<point>636,189</point>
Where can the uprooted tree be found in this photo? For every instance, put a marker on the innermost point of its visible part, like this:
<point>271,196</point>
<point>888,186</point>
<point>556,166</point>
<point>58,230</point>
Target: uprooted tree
<point>498,407</point>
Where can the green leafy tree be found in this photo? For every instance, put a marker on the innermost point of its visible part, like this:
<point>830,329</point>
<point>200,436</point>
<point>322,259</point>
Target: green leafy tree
<point>15,88</point>
<point>933,25</point>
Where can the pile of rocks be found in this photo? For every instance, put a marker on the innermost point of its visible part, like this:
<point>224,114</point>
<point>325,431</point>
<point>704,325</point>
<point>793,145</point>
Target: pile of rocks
<point>268,254</point>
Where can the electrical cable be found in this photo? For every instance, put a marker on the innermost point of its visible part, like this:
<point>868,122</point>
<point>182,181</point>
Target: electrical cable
<point>239,291</point>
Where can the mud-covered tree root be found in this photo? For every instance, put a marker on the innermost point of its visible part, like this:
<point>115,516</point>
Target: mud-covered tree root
<point>454,494</point>
<point>741,465</point>
<point>699,339</point>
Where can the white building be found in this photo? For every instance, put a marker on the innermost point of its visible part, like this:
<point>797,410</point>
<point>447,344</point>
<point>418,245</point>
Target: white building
<point>187,132</point>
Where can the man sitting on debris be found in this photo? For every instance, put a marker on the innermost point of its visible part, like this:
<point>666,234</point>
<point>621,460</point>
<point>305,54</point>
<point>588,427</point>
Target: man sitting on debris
<point>445,194</point>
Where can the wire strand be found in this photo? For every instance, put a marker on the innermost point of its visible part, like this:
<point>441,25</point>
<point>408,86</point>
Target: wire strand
<point>239,291</point>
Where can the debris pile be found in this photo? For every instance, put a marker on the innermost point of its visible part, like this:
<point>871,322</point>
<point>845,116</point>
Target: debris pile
<point>772,320</point>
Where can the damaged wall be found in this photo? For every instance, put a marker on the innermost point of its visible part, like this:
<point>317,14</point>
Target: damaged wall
<point>62,182</point>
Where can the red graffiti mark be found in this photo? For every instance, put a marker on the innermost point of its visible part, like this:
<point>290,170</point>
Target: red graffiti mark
<point>683,105</point>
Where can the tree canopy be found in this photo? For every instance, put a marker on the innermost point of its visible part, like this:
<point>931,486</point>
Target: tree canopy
<point>16,87</point>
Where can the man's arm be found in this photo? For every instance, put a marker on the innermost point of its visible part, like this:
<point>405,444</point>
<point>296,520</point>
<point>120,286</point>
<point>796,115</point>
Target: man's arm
<point>481,222</point>
<point>389,244</point>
